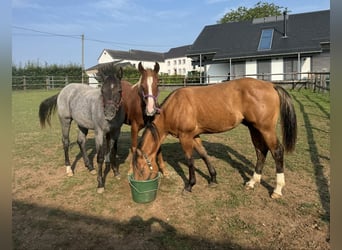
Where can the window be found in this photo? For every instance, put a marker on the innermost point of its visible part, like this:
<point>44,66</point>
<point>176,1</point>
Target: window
<point>264,69</point>
<point>265,42</point>
<point>238,70</point>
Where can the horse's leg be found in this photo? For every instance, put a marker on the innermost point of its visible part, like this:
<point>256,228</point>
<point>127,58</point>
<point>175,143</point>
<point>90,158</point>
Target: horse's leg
<point>278,156</point>
<point>161,163</point>
<point>277,151</point>
<point>107,159</point>
<point>65,124</point>
<point>261,150</point>
<point>113,151</point>
<point>81,141</point>
<point>100,149</point>
<point>187,145</point>
<point>204,155</point>
<point>134,143</point>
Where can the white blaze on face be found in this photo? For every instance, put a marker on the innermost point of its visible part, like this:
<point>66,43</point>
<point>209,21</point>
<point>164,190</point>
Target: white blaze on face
<point>150,101</point>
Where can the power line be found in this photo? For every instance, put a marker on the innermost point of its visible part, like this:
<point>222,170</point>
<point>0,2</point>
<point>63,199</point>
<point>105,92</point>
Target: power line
<point>119,44</point>
<point>46,33</point>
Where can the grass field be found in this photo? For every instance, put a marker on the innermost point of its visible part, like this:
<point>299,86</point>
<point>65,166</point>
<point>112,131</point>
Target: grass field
<point>53,211</point>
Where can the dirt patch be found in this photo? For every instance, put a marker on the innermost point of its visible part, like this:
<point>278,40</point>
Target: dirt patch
<point>51,210</point>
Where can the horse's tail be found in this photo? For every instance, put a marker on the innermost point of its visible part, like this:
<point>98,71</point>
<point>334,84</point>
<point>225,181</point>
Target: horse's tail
<point>288,119</point>
<point>46,109</point>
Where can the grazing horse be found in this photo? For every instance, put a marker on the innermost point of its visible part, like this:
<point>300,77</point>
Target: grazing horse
<point>140,102</point>
<point>97,109</point>
<point>188,112</point>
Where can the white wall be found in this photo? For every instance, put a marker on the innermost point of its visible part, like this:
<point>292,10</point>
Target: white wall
<point>179,65</point>
<point>105,57</point>
<point>217,72</point>
<point>277,67</point>
<point>251,68</point>
<point>305,66</point>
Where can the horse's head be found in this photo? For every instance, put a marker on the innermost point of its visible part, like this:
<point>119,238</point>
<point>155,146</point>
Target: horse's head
<point>111,92</point>
<point>144,158</point>
<point>144,167</point>
<point>149,88</point>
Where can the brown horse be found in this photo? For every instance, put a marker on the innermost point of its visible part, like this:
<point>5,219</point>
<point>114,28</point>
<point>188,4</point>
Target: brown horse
<point>188,112</point>
<point>140,103</point>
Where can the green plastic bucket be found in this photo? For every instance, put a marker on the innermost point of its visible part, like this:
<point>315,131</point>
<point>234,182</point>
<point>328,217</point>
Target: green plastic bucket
<point>144,191</point>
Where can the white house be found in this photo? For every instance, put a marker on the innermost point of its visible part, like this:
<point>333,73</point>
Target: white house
<point>173,62</point>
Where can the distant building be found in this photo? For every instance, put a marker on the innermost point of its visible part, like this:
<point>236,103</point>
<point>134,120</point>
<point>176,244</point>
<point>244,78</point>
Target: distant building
<point>282,46</point>
<point>272,48</point>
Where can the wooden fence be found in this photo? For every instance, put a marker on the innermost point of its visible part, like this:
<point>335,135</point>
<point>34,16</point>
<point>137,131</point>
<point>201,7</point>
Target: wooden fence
<point>317,81</point>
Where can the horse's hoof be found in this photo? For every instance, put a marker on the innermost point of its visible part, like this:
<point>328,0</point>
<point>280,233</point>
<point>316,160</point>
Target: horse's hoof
<point>69,171</point>
<point>276,196</point>
<point>100,190</point>
<point>212,185</point>
<point>93,172</point>
<point>249,186</point>
<point>185,192</point>
<point>166,174</point>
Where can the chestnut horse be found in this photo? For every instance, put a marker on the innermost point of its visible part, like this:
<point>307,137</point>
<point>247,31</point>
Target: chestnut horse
<point>140,102</point>
<point>188,112</point>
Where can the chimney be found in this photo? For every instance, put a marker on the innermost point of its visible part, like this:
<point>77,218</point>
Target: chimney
<point>285,24</point>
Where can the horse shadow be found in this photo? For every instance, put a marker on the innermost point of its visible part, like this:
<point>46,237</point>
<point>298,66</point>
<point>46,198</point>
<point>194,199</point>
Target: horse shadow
<point>112,233</point>
<point>173,154</point>
<point>122,153</point>
<point>321,181</point>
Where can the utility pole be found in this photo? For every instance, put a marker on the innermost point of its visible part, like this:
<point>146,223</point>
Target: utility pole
<point>82,58</point>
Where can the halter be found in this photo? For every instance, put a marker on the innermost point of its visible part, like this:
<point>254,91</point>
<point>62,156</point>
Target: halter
<point>155,98</point>
<point>149,164</point>
<point>109,102</point>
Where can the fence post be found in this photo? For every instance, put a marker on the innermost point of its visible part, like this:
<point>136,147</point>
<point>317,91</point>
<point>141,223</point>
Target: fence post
<point>24,82</point>
<point>66,81</point>
<point>47,82</point>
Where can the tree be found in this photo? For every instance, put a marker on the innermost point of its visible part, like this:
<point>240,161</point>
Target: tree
<point>261,9</point>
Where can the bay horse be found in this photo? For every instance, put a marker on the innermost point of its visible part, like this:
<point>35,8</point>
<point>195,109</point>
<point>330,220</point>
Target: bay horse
<point>188,112</point>
<point>100,110</point>
<point>140,102</point>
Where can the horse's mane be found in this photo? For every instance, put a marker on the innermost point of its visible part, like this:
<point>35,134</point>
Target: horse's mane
<point>107,70</point>
<point>150,126</point>
<point>166,98</point>
<point>138,83</point>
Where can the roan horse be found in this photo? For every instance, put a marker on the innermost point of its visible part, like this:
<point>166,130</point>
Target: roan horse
<point>140,102</point>
<point>97,109</point>
<point>188,112</point>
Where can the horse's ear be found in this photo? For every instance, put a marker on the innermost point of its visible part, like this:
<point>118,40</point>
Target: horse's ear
<point>141,68</point>
<point>156,67</point>
<point>119,74</point>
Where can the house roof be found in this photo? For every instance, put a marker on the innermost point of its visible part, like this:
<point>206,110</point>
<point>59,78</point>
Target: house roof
<point>305,33</point>
<point>177,52</point>
<point>137,55</point>
<point>116,63</point>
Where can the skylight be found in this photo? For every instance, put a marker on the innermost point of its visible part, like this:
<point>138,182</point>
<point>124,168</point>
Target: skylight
<point>265,42</point>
